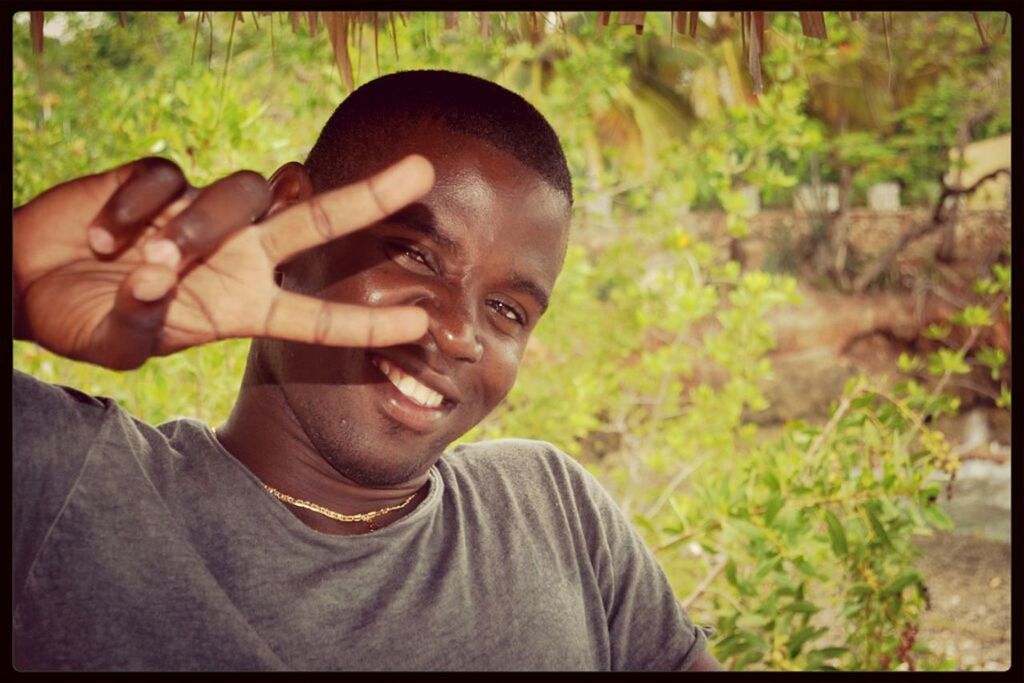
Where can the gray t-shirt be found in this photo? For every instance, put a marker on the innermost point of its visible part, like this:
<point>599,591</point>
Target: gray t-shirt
<point>153,548</point>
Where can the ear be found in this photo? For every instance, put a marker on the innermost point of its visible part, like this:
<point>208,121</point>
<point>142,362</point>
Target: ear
<point>289,185</point>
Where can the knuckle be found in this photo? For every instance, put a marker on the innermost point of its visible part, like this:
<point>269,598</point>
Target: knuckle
<point>323,324</point>
<point>320,219</point>
<point>268,241</point>
<point>371,326</point>
<point>378,203</point>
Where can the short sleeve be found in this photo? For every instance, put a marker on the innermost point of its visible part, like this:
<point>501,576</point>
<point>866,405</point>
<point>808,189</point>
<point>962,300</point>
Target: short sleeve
<point>53,429</point>
<point>648,627</point>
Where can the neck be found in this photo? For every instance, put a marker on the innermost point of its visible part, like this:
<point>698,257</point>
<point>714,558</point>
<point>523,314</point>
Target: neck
<point>263,434</point>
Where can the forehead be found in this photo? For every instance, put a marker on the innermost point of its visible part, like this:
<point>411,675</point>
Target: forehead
<point>487,188</point>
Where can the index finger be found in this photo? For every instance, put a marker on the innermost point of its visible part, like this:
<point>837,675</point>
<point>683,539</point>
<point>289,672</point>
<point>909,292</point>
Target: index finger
<point>315,321</point>
<point>329,216</point>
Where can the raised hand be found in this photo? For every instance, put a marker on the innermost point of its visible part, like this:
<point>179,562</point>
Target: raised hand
<point>132,263</point>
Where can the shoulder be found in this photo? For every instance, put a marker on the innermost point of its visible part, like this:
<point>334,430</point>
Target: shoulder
<point>524,469</point>
<point>48,418</point>
<point>516,458</point>
<point>28,392</point>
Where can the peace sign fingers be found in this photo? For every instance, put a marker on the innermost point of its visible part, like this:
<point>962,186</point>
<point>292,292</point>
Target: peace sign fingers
<point>331,215</point>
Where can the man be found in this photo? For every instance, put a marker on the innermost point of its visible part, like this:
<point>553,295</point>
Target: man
<point>320,527</point>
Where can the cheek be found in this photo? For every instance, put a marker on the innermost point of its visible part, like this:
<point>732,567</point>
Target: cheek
<point>502,369</point>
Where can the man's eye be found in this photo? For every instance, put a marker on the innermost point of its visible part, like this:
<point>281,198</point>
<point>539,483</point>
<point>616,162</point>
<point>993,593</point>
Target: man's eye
<point>404,252</point>
<point>506,311</point>
<point>415,255</point>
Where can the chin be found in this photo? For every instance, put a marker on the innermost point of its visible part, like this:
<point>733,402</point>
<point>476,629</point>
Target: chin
<point>377,460</point>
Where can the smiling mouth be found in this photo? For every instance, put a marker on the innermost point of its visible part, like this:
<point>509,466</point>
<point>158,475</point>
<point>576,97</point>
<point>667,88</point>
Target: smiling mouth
<point>407,385</point>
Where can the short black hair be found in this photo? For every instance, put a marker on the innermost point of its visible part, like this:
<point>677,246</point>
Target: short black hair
<point>459,102</point>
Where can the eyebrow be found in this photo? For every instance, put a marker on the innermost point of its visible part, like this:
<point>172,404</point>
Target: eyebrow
<point>419,220</point>
<point>529,287</point>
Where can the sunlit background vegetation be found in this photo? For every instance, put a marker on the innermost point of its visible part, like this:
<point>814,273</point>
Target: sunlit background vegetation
<point>795,545</point>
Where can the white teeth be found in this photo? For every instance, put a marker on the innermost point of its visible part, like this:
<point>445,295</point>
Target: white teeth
<point>410,388</point>
<point>407,385</point>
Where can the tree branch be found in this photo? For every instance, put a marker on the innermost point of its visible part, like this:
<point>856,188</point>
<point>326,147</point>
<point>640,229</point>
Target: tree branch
<point>938,219</point>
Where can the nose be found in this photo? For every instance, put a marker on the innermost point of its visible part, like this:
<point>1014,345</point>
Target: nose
<point>454,329</point>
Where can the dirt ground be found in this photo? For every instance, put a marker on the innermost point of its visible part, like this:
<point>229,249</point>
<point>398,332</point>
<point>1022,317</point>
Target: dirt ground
<point>969,583</point>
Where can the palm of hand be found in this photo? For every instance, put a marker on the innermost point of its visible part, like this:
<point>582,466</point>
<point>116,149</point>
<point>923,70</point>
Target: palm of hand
<point>118,310</point>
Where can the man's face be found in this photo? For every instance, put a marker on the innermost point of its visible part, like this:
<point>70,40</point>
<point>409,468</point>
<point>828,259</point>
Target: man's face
<point>480,253</point>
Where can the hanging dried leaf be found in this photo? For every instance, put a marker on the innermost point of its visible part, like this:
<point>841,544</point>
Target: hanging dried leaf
<point>694,19</point>
<point>888,48</point>
<point>239,17</point>
<point>35,20</point>
<point>376,42</point>
<point>813,24</point>
<point>337,29</point>
<point>294,16</point>
<point>981,30</point>
<point>122,19</point>
<point>209,54</point>
<point>312,23</point>
<point>759,26</point>
<point>855,15</point>
<point>195,37</point>
<point>633,18</point>
<point>394,33</point>
<point>602,20</point>
<point>485,25</point>
<point>451,20</point>
<point>227,59</point>
<point>743,35</point>
<point>755,29</point>
<point>181,17</point>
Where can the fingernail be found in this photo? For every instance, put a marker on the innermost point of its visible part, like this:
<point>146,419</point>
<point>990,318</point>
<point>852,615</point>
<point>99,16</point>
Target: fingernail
<point>149,290</point>
<point>162,252</point>
<point>101,241</point>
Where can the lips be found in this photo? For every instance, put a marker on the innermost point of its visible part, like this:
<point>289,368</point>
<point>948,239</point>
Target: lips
<point>411,402</point>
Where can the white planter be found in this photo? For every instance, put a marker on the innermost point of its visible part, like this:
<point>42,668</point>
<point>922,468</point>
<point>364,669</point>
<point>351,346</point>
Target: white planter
<point>884,197</point>
<point>753,196</point>
<point>812,199</point>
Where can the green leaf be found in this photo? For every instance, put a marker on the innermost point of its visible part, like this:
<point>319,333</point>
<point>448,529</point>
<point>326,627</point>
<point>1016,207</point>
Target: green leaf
<point>947,361</point>
<point>801,607</point>
<point>772,508</point>
<point>993,359</point>
<point>973,316</point>
<point>806,568</point>
<point>937,517</point>
<point>900,582</point>
<point>878,527</point>
<point>860,590</point>
<point>937,332</point>
<point>749,530</point>
<point>908,363</point>
<point>1004,398</point>
<point>837,534</point>
<point>798,639</point>
<point>754,655</point>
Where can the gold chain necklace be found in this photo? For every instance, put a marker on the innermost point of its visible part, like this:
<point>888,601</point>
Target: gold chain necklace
<point>367,517</point>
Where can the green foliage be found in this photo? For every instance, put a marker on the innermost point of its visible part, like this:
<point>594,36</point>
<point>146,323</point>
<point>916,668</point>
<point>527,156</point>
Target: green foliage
<point>812,532</point>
